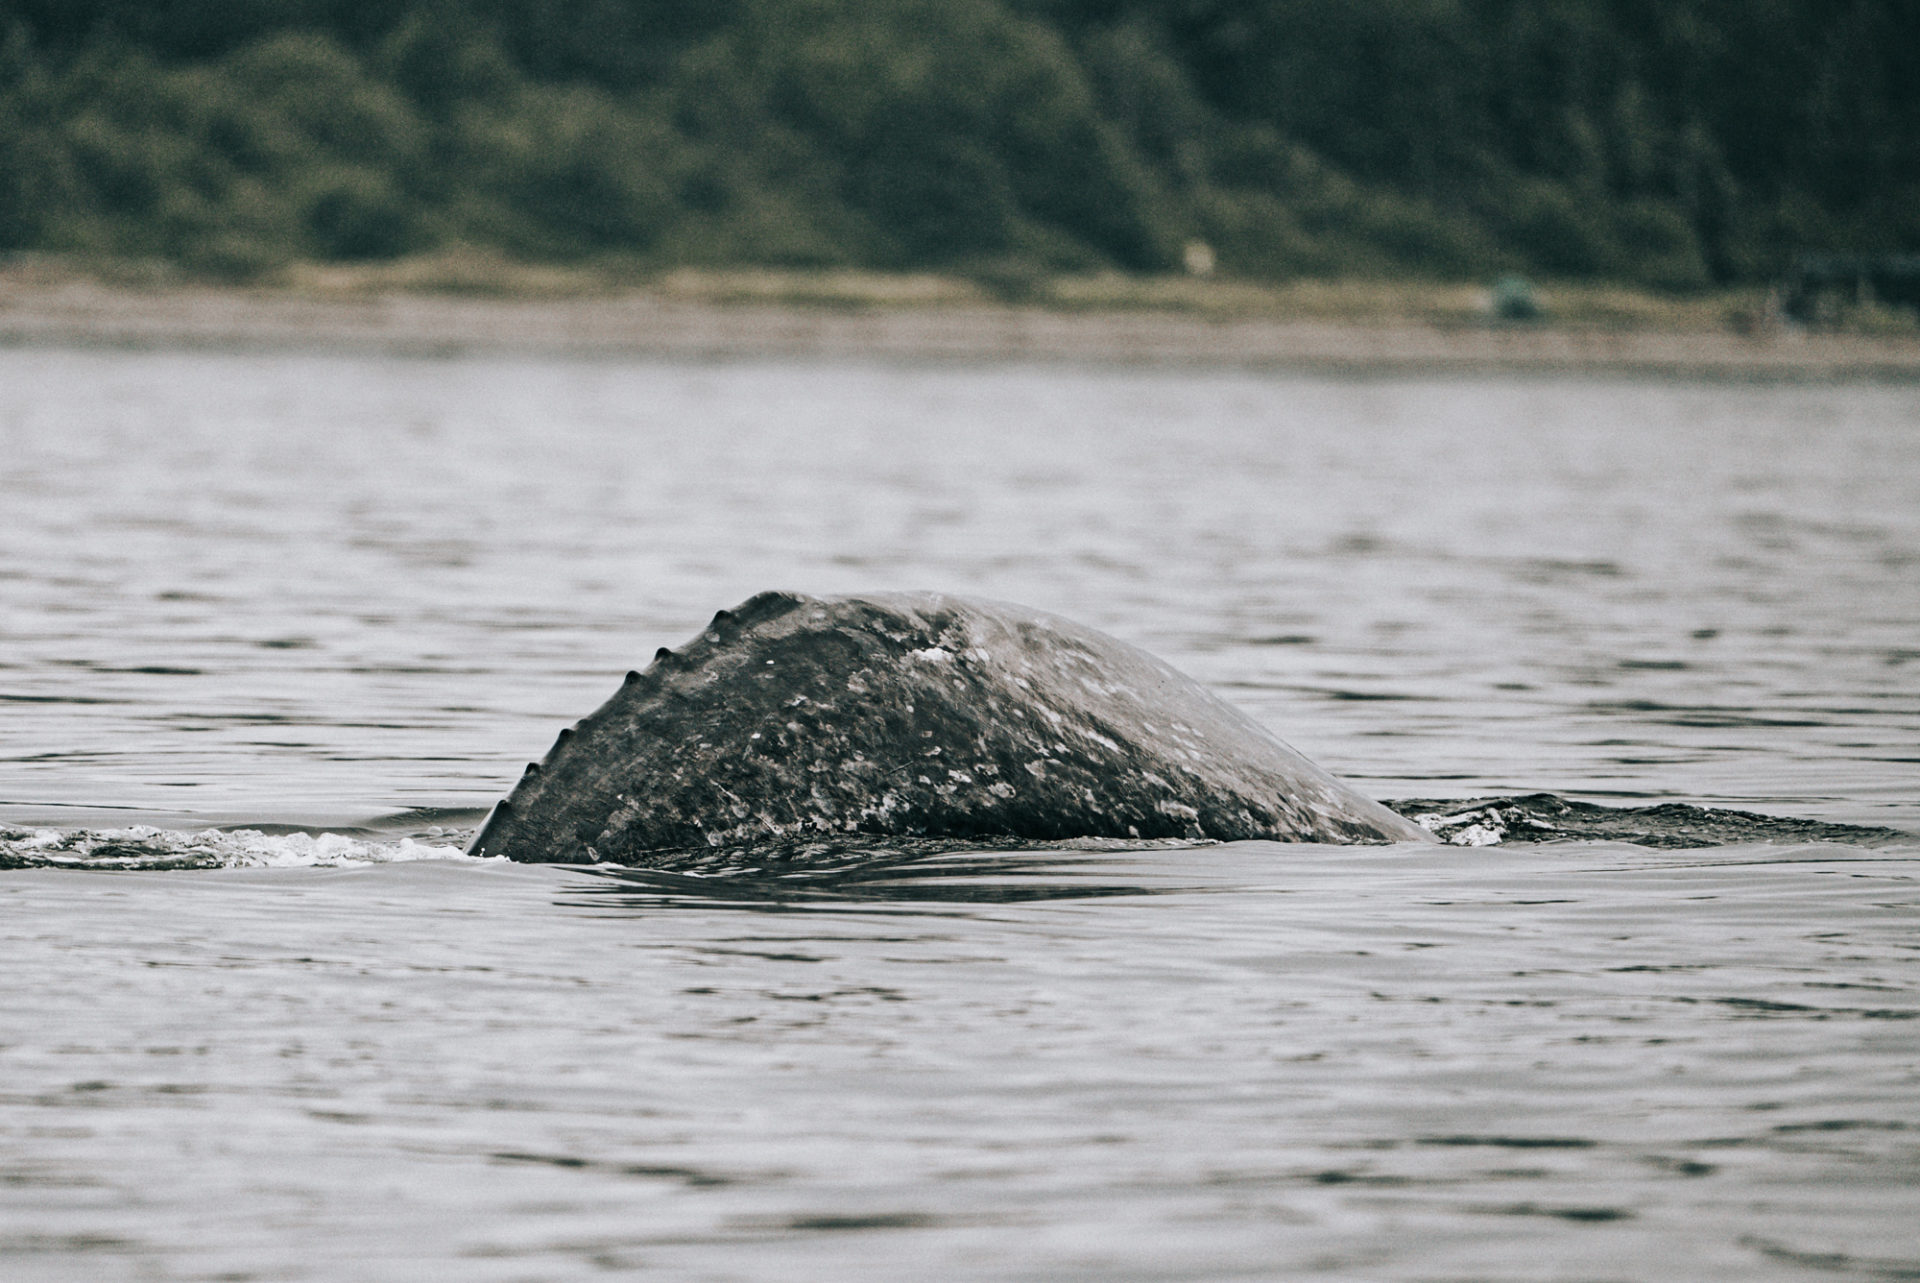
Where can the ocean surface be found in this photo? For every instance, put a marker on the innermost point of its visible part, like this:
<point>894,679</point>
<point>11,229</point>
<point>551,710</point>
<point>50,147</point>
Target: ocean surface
<point>276,628</point>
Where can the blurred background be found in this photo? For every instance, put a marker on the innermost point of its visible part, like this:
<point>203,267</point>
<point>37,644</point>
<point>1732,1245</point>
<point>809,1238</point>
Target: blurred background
<point>1673,145</point>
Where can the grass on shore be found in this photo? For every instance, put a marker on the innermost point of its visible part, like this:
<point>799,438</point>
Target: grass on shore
<point>481,273</point>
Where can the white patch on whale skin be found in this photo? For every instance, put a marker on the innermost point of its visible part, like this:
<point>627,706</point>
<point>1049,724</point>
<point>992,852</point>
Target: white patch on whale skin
<point>932,655</point>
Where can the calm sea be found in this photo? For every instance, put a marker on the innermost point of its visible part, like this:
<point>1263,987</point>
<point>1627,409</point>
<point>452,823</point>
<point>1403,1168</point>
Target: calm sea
<point>302,617</point>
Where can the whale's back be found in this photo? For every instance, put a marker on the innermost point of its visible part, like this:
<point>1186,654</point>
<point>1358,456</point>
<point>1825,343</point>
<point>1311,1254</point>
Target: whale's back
<point>913,715</point>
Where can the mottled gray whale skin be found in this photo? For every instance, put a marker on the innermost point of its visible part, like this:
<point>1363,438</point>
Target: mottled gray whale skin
<point>913,715</point>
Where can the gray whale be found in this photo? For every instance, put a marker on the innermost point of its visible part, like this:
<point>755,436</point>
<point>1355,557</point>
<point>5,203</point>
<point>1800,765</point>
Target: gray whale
<point>796,719</point>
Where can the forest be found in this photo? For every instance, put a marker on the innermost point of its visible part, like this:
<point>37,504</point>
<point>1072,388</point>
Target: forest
<point>1675,145</point>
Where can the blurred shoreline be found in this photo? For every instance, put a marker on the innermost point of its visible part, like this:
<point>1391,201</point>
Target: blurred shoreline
<point>432,309</point>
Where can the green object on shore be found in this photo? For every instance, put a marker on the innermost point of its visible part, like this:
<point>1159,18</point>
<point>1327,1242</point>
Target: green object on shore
<point>1514,299</point>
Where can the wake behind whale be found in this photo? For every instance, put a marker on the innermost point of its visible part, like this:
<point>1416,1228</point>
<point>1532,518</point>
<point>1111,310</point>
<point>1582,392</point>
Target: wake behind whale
<point>913,716</point>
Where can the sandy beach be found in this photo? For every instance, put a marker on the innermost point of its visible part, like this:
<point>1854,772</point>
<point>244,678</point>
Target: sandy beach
<point>657,323</point>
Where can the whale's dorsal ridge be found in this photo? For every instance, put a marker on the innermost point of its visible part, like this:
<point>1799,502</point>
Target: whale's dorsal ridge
<point>913,715</point>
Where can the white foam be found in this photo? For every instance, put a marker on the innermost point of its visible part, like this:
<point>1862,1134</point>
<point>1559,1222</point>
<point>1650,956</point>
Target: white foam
<point>143,846</point>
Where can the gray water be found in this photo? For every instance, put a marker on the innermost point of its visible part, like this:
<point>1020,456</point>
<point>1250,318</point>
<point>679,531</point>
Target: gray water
<point>247,594</point>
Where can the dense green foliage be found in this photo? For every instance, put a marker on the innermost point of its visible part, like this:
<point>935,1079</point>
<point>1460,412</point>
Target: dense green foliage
<point>1669,142</point>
